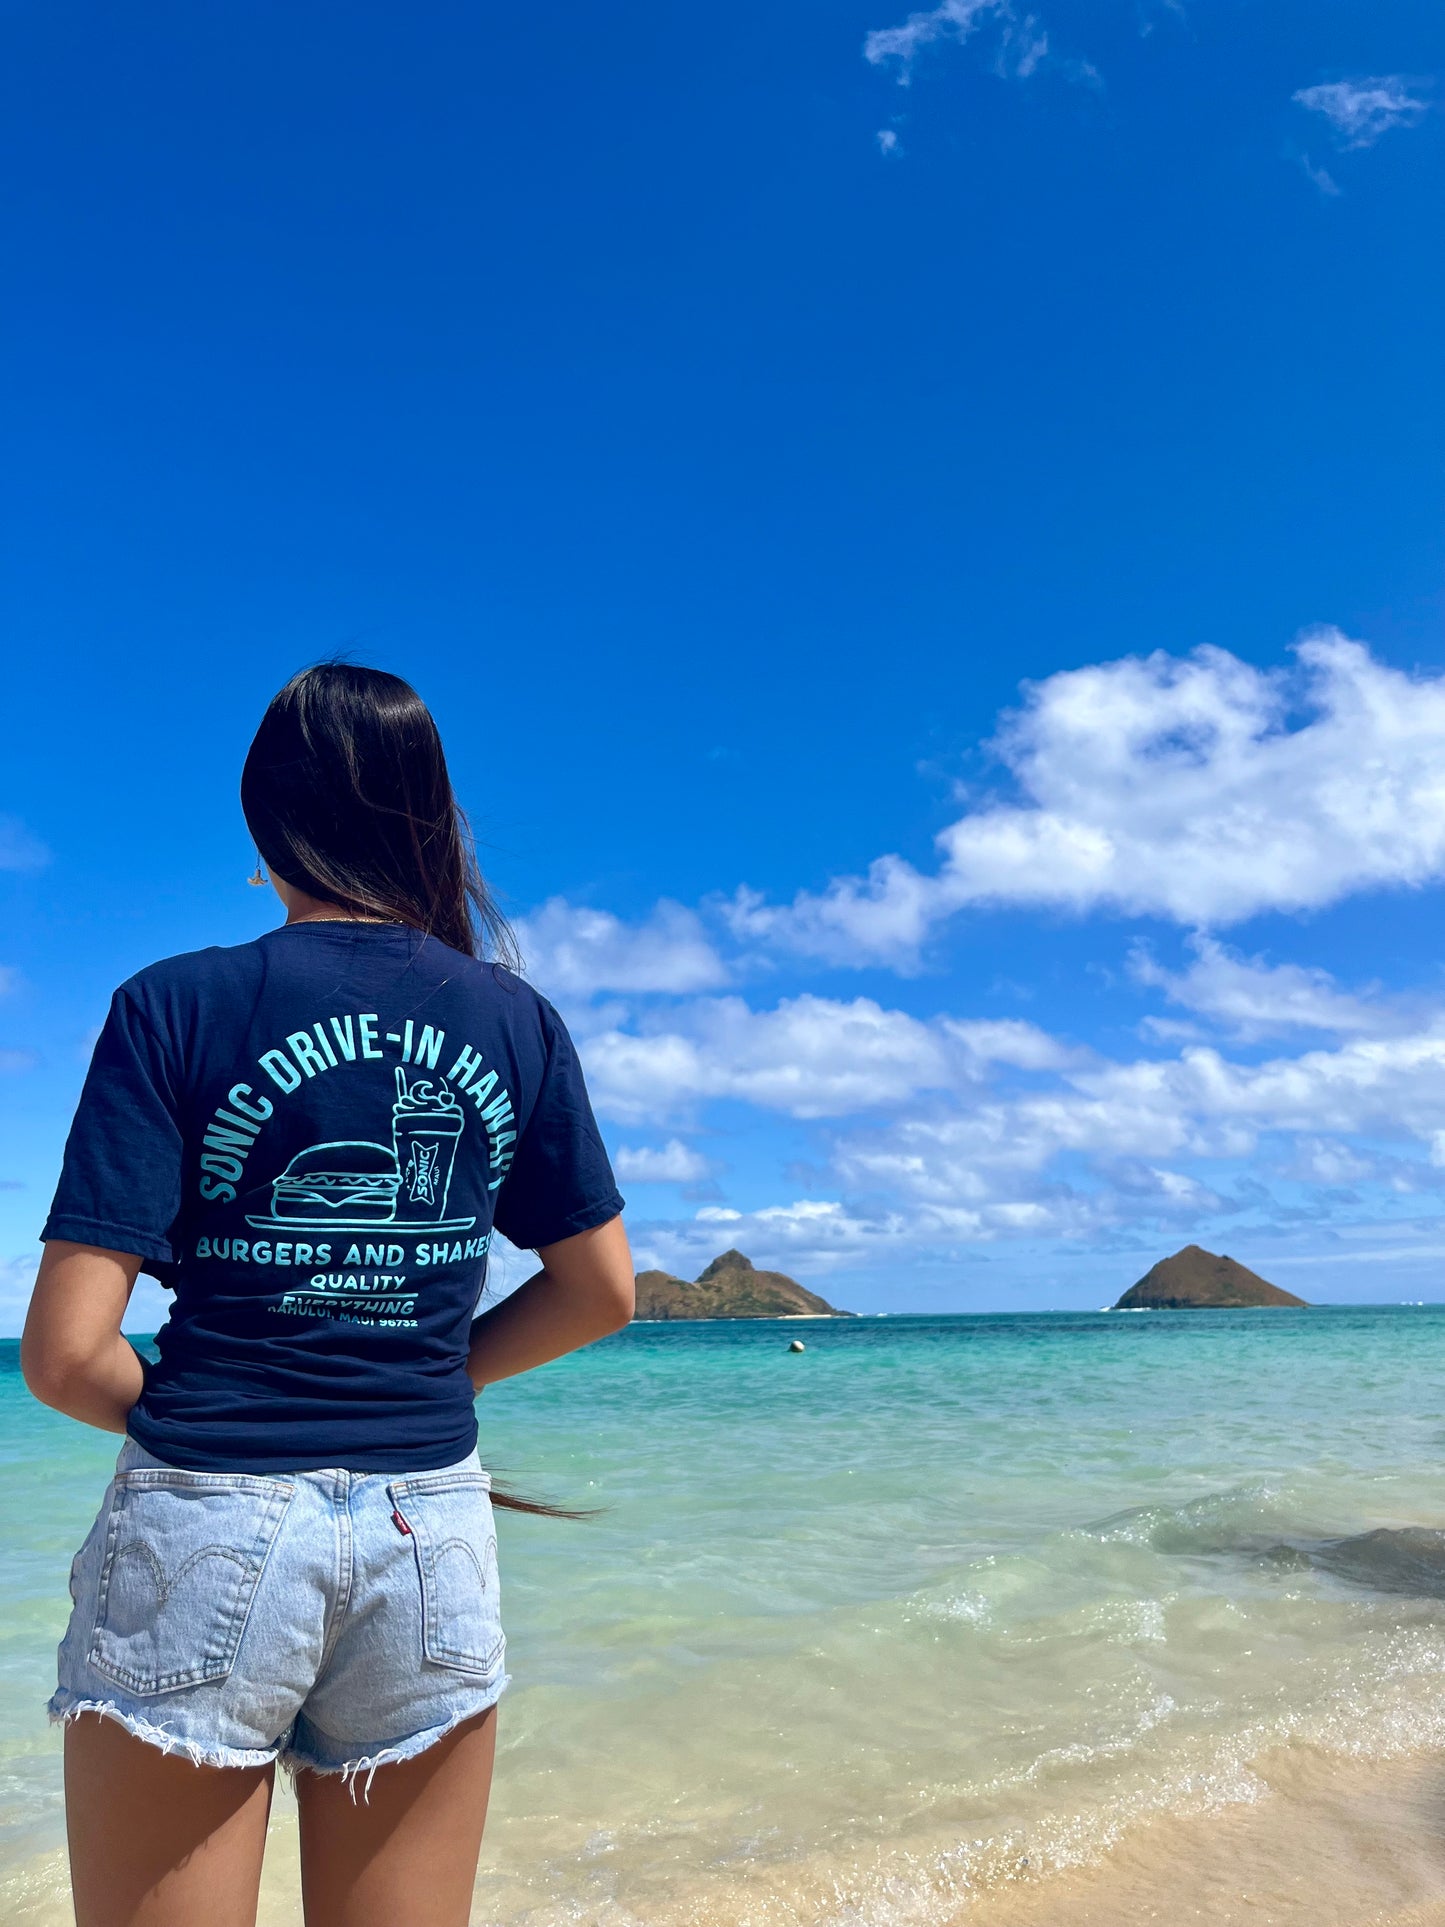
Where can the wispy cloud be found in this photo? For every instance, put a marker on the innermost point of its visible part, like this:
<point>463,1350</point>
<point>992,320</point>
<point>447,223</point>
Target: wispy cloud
<point>1019,41</point>
<point>17,1280</point>
<point>1176,8</point>
<point>1250,998</point>
<point>810,1235</point>
<point>1361,111</point>
<point>670,1163</point>
<point>19,850</point>
<point>1023,45</point>
<point>1320,176</point>
<point>570,951</point>
<point>954,20</point>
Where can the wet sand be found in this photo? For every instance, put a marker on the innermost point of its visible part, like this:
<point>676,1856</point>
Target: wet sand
<point>1327,1844</point>
<point>1323,1843</point>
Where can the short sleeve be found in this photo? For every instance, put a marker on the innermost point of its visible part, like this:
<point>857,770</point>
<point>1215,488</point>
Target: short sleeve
<point>561,1181</point>
<point>120,1184</point>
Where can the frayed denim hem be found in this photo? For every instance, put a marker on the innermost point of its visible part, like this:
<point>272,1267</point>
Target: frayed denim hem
<point>368,1763</point>
<point>65,1707</point>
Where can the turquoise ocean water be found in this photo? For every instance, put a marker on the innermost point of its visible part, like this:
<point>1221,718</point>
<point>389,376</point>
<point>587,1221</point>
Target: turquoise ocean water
<point>865,1634</point>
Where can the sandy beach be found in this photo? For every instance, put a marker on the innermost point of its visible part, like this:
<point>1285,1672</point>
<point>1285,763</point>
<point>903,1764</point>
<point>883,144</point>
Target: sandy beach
<point>1325,1844</point>
<point>1322,1843</point>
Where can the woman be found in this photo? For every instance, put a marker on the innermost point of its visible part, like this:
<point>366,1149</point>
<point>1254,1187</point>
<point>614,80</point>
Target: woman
<point>310,1139</point>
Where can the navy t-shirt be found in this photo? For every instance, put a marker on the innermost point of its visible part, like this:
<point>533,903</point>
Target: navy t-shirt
<point>310,1139</point>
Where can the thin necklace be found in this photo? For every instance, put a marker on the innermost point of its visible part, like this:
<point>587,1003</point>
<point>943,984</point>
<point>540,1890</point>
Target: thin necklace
<point>386,923</point>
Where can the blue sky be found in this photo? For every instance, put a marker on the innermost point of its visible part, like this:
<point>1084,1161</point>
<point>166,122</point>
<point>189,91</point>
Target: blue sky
<point>774,443</point>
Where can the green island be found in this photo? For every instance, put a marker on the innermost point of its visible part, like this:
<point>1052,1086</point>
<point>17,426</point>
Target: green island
<point>731,1287</point>
<point>1198,1280</point>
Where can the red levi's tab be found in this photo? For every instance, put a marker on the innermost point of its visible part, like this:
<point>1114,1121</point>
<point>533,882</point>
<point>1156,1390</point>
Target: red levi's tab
<point>400,1523</point>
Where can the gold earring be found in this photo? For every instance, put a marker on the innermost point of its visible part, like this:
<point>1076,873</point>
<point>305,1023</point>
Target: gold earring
<point>260,879</point>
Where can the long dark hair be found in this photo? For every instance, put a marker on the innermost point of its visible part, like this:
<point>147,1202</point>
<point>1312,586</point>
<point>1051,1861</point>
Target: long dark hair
<point>346,792</point>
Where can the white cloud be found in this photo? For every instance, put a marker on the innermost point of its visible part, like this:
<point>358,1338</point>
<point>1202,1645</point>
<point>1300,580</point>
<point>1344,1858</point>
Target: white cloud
<point>810,1057</point>
<point>1392,1254</point>
<point>807,1237</point>
<point>1322,1160</point>
<point>887,141</point>
<point>572,951</point>
<point>996,1131</point>
<point>1020,41</point>
<point>1251,998</point>
<point>507,1267</point>
<point>815,1236</point>
<point>1360,111</point>
<point>1009,1040</point>
<point>1198,1105</point>
<point>953,20</point>
<point>1084,1145</point>
<point>1200,789</point>
<point>149,1307</point>
<point>671,1163</point>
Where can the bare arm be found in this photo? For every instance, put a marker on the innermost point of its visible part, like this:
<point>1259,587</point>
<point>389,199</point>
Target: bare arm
<point>583,1291</point>
<point>72,1353</point>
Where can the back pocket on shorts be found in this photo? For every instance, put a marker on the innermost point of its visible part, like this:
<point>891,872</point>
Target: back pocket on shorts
<point>183,1557</point>
<point>449,1515</point>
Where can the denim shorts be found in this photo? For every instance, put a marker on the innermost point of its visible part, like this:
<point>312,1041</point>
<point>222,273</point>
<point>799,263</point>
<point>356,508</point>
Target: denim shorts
<point>335,1621</point>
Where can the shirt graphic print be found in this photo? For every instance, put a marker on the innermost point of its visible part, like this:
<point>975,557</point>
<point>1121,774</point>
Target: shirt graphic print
<point>343,1192</point>
<point>311,1139</point>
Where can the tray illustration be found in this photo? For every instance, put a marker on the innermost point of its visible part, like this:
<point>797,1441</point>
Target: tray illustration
<point>378,1228</point>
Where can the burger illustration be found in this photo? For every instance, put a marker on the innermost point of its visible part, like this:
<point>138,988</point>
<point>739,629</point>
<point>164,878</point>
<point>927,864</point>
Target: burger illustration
<point>345,1182</point>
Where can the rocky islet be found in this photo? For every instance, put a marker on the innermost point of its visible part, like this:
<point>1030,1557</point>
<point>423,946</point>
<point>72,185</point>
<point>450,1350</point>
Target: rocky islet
<point>730,1287</point>
<point>1198,1280</point>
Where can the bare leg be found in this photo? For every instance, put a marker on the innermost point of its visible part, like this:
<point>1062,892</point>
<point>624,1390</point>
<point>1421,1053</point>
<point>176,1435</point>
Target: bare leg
<point>155,1841</point>
<point>409,1854</point>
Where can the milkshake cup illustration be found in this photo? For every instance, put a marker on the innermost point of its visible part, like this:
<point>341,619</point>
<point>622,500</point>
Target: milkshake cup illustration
<point>426,1121</point>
